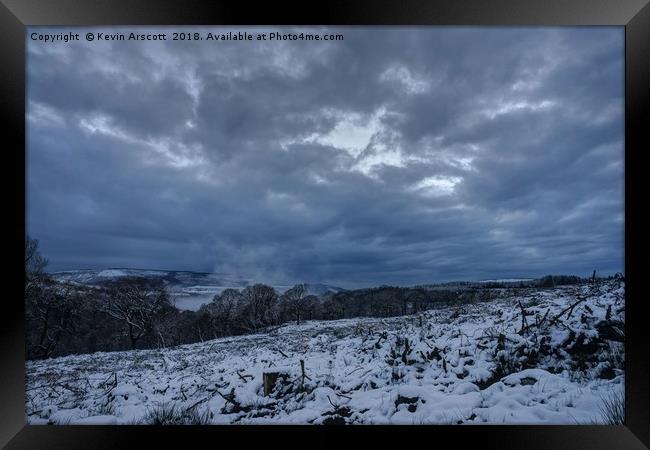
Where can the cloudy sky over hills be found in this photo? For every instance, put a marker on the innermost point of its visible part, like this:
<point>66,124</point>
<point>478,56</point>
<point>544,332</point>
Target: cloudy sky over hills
<point>399,155</point>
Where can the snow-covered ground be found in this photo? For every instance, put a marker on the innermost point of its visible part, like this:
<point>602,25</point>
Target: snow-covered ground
<point>468,364</point>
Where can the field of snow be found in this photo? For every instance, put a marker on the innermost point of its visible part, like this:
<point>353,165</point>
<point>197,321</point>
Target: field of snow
<point>551,357</point>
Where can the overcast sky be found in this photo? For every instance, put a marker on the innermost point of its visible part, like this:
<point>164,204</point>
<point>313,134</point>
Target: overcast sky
<point>397,156</point>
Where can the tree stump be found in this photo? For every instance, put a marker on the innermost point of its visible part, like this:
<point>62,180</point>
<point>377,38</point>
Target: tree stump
<point>269,379</point>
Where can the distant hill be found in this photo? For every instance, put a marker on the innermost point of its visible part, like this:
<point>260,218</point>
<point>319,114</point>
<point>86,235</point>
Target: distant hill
<point>174,278</point>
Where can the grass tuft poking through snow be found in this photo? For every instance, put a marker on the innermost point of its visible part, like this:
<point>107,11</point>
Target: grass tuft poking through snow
<point>612,408</point>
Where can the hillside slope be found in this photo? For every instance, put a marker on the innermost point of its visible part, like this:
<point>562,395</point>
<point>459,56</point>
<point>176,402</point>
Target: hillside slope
<point>554,356</point>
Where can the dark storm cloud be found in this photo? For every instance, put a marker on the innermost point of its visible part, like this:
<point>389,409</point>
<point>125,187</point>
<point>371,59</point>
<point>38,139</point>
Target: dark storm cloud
<point>400,155</point>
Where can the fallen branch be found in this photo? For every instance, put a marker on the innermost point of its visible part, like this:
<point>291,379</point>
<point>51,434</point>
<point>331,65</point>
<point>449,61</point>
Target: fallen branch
<point>569,309</point>
<point>112,387</point>
<point>358,368</point>
<point>230,398</point>
<point>217,386</point>
<point>536,324</point>
<point>243,377</point>
<point>541,322</point>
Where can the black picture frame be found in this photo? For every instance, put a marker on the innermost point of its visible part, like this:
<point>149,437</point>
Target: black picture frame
<point>634,15</point>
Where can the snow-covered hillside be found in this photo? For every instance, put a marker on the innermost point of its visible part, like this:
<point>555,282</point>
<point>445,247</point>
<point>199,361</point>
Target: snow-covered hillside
<point>554,356</point>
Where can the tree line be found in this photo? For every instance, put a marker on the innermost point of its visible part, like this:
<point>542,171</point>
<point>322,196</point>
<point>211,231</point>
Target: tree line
<point>138,313</point>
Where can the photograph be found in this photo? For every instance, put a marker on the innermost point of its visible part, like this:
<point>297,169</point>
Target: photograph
<point>325,225</point>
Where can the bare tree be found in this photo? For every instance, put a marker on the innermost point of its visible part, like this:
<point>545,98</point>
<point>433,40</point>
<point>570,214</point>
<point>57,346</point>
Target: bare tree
<point>35,265</point>
<point>293,301</point>
<point>49,307</point>
<point>225,306</point>
<point>139,303</point>
<point>221,312</point>
<point>50,311</point>
<point>259,307</point>
<point>313,307</point>
<point>34,262</point>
